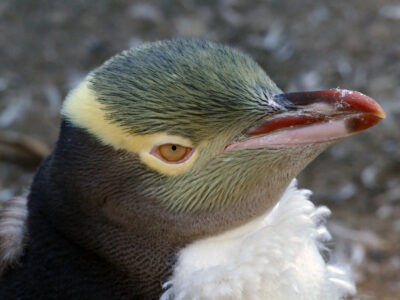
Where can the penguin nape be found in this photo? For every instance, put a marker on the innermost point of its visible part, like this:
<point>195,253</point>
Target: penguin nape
<point>173,177</point>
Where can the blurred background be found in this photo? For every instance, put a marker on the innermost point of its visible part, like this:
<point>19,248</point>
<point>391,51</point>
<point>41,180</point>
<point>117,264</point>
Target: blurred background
<point>47,47</point>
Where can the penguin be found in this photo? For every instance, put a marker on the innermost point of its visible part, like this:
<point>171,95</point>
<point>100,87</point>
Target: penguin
<point>173,177</point>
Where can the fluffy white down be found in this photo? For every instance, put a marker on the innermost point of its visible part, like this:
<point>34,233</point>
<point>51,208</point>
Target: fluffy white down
<point>276,256</point>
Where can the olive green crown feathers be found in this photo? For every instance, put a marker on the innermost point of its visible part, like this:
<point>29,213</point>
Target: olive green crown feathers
<point>191,87</point>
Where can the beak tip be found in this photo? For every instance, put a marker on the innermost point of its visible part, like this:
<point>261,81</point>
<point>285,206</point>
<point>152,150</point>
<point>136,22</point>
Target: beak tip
<point>380,113</point>
<point>358,102</point>
<point>360,123</point>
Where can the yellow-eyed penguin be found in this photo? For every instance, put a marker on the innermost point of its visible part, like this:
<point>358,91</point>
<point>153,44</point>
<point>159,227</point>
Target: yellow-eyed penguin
<point>173,177</point>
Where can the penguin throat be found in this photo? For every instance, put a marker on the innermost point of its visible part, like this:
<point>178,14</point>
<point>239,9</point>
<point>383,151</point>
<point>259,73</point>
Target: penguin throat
<point>275,256</point>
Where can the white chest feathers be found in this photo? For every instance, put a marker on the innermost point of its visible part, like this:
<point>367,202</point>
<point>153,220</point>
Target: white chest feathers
<point>276,256</point>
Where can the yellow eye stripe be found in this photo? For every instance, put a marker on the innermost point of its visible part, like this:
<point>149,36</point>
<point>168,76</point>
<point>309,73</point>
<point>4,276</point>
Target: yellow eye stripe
<point>83,110</point>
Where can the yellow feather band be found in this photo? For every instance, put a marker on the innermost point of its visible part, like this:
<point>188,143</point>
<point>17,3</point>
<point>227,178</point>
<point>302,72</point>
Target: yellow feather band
<point>83,110</point>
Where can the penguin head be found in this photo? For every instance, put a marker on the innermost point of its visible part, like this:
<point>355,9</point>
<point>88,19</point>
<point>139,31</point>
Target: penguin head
<point>196,133</point>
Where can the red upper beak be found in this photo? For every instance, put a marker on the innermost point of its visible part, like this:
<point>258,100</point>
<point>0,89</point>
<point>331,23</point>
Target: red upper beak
<point>314,117</point>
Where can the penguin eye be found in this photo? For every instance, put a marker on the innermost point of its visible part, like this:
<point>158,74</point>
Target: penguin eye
<point>174,152</point>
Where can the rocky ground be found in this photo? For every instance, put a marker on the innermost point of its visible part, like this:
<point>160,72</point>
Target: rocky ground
<point>46,47</point>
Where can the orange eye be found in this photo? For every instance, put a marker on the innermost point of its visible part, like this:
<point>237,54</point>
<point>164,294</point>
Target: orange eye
<point>173,152</point>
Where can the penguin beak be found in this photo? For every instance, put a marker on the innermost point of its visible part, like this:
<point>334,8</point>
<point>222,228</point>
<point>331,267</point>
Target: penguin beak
<point>313,117</point>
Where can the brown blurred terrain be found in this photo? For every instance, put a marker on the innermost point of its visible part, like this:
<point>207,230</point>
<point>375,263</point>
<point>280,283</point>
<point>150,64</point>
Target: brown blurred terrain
<point>46,47</point>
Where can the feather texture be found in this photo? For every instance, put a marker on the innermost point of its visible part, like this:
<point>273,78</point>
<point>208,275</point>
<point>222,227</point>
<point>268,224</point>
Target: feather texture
<point>12,231</point>
<point>276,256</point>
